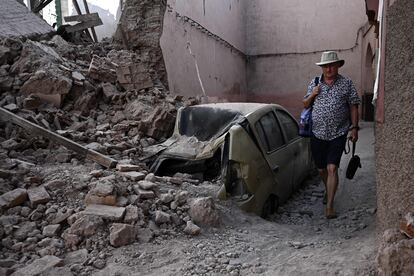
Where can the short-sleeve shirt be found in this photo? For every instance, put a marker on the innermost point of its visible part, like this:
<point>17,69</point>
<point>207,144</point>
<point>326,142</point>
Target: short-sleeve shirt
<point>331,116</point>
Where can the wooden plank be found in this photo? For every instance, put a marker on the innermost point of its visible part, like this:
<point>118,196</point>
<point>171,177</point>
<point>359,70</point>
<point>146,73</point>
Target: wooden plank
<point>82,17</point>
<point>34,129</point>
<point>83,26</point>
<point>85,3</point>
<point>78,10</point>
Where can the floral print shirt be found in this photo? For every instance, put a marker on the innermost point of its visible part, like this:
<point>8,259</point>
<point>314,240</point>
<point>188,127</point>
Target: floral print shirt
<point>331,116</point>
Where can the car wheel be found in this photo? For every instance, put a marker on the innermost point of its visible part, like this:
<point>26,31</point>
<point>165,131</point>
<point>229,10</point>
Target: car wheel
<point>270,206</point>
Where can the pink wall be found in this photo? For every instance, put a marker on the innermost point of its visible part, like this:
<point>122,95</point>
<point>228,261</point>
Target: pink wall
<point>279,43</point>
<point>286,37</point>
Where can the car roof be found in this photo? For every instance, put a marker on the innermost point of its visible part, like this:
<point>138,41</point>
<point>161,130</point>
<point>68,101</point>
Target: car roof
<point>242,108</point>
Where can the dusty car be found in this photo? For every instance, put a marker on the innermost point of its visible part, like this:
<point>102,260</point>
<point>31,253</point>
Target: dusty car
<point>254,149</point>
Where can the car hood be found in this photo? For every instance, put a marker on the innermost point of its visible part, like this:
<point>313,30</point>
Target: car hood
<point>184,147</point>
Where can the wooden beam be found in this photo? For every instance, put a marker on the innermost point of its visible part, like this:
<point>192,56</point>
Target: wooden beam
<point>34,129</point>
<point>82,17</point>
<point>92,28</point>
<point>78,10</point>
<point>83,26</point>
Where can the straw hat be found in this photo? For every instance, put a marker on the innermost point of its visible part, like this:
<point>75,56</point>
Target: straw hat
<point>330,57</point>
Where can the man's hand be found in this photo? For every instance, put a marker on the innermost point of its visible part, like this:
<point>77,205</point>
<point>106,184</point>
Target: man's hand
<point>315,91</point>
<point>354,135</point>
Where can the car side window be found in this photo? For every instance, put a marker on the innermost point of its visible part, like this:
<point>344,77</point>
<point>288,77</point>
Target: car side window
<point>288,124</point>
<point>269,132</point>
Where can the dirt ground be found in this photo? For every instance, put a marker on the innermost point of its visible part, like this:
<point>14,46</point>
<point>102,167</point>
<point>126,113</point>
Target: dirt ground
<point>298,240</point>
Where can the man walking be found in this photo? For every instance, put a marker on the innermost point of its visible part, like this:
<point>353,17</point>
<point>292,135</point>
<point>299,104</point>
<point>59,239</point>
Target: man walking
<point>335,113</point>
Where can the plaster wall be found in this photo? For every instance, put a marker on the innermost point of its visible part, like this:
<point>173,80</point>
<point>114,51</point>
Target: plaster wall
<point>394,146</point>
<point>206,52</point>
<point>286,37</point>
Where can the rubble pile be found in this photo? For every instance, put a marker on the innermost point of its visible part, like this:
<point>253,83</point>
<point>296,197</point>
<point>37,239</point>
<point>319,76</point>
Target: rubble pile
<point>396,251</point>
<point>60,213</point>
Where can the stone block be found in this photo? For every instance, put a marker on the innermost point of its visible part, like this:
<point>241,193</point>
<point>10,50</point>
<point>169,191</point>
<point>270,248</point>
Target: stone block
<point>14,198</point>
<point>38,195</point>
<point>134,176</point>
<point>203,212</point>
<point>131,214</point>
<point>121,234</point>
<point>162,217</point>
<point>143,194</point>
<point>104,211</point>
<point>127,168</point>
<point>147,185</point>
<point>51,230</point>
<point>192,229</point>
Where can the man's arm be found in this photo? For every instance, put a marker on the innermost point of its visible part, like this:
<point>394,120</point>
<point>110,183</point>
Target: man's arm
<point>309,100</point>
<point>354,121</point>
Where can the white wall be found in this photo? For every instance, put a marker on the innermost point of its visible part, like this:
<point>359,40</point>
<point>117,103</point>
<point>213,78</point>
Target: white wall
<point>222,70</point>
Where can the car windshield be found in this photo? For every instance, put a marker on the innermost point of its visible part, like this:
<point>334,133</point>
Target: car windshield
<point>205,122</point>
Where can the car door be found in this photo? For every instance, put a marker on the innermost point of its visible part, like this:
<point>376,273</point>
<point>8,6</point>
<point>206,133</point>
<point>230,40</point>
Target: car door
<point>299,146</point>
<point>278,156</point>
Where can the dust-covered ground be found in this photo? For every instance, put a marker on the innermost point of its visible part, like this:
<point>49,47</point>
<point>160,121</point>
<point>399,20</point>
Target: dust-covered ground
<point>298,240</point>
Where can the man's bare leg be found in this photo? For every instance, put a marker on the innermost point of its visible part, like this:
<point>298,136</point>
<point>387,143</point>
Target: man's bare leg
<point>324,175</point>
<point>331,185</point>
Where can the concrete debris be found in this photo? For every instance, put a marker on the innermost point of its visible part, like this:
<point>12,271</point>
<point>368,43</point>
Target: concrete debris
<point>395,254</point>
<point>203,212</point>
<point>192,229</point>
<point>56,206</point>
<point>121,234</point>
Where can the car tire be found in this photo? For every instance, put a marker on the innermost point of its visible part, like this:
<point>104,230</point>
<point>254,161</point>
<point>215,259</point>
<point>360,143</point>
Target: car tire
<point>270,206</point>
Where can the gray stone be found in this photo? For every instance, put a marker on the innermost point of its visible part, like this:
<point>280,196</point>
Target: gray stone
<point>39,266</point>
<point>203,212</point>
<point>143,194</point>
<point>51,230</point>
<point>76,257</point>
<point>104,211</point>
<point>181,197</point>
<point>38,195</point>
<point>192,229</point>
<point>131,214</point>
<point>54,185</point>
<point>147,185</point>
<point>121,234</point>
<point>103,188</point>
<point>166,198</point>
<point>71,240</point>
<point>24,229</point>
<point>86,226</point>
<point>162,217</point>
<point>13,198</point>
<point>134,176</point>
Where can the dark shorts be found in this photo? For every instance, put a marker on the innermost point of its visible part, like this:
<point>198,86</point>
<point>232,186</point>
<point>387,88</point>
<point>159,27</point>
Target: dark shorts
<point>327,152</point>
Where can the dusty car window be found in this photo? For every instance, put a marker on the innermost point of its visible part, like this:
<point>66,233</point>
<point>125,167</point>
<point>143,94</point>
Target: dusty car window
<point>206,122</point>
<point>269,132</point>
<point>288,124</point>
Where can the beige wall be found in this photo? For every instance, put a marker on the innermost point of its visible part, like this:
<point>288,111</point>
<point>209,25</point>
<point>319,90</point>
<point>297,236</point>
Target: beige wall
<point>286,38</point>
<point>282,40</point>
<point>222,69</point>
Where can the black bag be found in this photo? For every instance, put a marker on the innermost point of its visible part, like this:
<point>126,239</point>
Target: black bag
<point>354,163</point>
<point>305,123</point>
